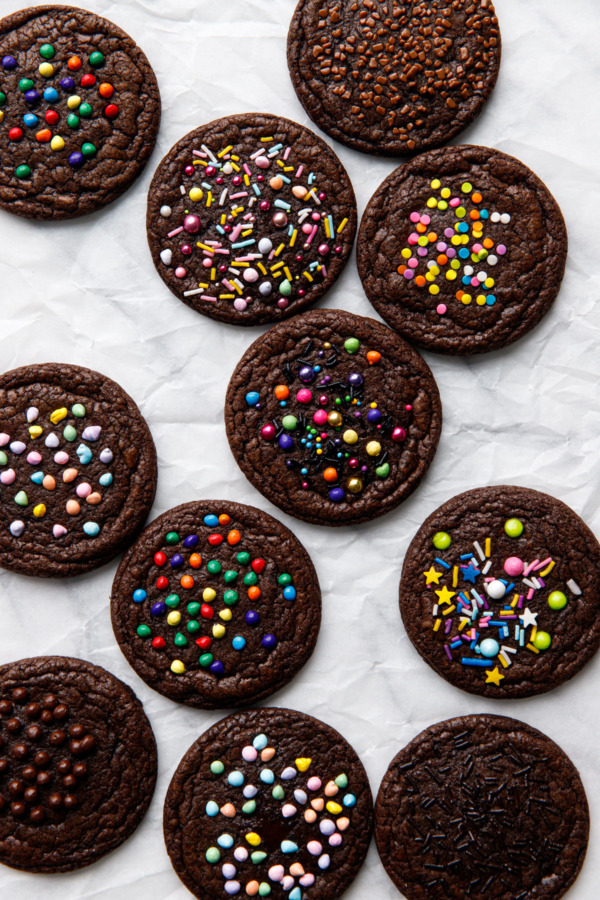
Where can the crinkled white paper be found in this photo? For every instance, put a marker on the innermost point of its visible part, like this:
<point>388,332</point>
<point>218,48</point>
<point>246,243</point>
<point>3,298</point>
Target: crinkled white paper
<point>86,292</point>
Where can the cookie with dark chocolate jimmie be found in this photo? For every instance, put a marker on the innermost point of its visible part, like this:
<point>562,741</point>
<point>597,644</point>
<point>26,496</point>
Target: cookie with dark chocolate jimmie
<point>216,604</point>
<point>79,112</point>
<point>333,417</point>
<point>483,807</point>
<point>77,763</point>
<point>266,802</point>
<point>250,219</point>
<point>500,592</point>
<point>77,470</point>
<point>462,250</point>
<point>393,77</point>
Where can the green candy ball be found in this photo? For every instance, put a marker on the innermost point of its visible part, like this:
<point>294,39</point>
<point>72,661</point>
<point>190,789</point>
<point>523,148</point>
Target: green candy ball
<point>2,98</point>
<point>441,540</point>
<point>25,84</point>
<point>144,631</point>
<point>351,345</point>
<point>557,600</point>
<point>22,172</point>
<point>513,528</point>
<point>214,567</point>
<point>73,121</point>
<point>85,110</point>
<point>243,558</point>
<point>172,537</point>
<point>96,59</point>
<point>205,661</point>
<point>213,855</point>
<point>284,579</point>
<point>542,640</point>
<point>289,423</point>
<point>78,409</point>
<point>217,767</point>
<point>47,51</point>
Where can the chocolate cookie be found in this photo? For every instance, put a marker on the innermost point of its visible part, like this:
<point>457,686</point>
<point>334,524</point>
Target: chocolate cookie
<point>333,417</point>
<point>462,250</point>
<point>77,763</point>
<point>269,801</point>
<point>482,807</point>
<point>216,604</point>
<point>77,470</point>
<point>79,112</point>
<point>500,592</point>
<point>250,219</point>
<point>393,77</point>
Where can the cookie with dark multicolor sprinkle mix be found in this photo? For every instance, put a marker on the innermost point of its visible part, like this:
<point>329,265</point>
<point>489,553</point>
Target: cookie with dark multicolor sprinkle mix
<point>269,802</point>
<point>500,592</point>
<point>483,807</point>
<point>216,604</point>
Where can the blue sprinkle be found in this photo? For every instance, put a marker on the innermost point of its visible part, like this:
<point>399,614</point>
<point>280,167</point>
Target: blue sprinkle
<point>212,808</point>
<point>467,556</point>
<point>466,279</point>
<point>281,204</point>
<point>256,189</point>
<point>252,398</point>
<point>211,521</point>
<point>295,894</point>
<point>317,368</point>
<point>106,479</point>
<point>283,402</point>
<point>304,471</point>
<point>466,661</point>
<point>238,643</point>
<point>463,227</point>
<point>91,529</point>
<point>442,563</point>
<point>490,299</point>
<point>139,595</point>
<point>289,847</point>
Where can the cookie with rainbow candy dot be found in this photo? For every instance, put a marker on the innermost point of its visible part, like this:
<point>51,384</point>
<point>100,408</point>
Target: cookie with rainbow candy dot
<point>77,470</point>
<point>79,112</point>
<point>333,417</point>
<point>216,604</point>
<point>269,802</point>
<point>462,250</point>
<point>500,592</point>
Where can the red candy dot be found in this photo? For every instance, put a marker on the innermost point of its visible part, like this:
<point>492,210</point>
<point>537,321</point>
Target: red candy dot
<point>258,565</point>
<point>52,116</point>
<point>206,611</point>
<point>111,111</point>
<point>204,643</point>
<point>160,558</point>
<point>88,81</point>
<point>215,539</point>
<point>162,583</point>
<point>159,643</point>
<point>15,134</point>
<point>106,90</point>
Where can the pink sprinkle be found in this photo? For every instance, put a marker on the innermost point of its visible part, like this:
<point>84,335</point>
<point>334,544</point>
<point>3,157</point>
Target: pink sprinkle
<point>34,458</point>
<point>286,152</point>
<point>413,263</point>
<point>408,407</point>
<point>543,563</point>
<point>415,217</point>
<point>246,169</point>
<point>314,783</point>
<point>530,593</point>
<point>441,309</point>
<point>236,233</point>
<point>61,458</point>
<point>425,220</point>
<point>312,234</point>
<point>228,285</point>
<point>408,274</point>
<point>180,272</point>
<point>531,567</point>
<point>335,840</point>
<point>238,195</point>
<point>210,299</point>
<point>501,249</point>
<point>299,172</point>
<point>177,231</point>
<point>199,153</point>
<point>249,754</point>
<point>454,202</point>
<point>240,304</point>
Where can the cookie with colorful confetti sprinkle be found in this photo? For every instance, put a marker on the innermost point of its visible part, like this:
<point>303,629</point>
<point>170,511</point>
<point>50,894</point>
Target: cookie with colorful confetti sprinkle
<point>269,802</point>
<point>500,592</point>
<point>397,77</point>
<point>333,417</point>
<point>77,470</point>
<point>77,763</point>
<point>484,807</point>
<point>462,250</point>
<point>250,219</point>
<point>79,112</point>
<point>216,604</point>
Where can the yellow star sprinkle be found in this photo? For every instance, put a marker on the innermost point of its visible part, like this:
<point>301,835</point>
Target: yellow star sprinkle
<point>494,676</point>
<point>445,596</point>
<point>433,576</point>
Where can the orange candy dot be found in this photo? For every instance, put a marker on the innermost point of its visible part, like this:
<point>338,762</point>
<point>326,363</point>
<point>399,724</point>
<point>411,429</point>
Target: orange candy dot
<point>234,537</point>
<point>401,270</point>
<point>488,243</point>
<point>195,560</point>
<point>420,281</point>
<point>432,237</point>
<point>187,581</point>
<point>106,90</point>
<point>282,392</point>
<point>373,357</point>
<point>43,136</point>
<point>442,259</point>
<point>330,474</point>
<point>460,295</point>
<point>476,198</point>
<point>254,593</point>
<point>224,519</point>
<point>74,63</point>
<point>474,214</point>
<point>421,228</point>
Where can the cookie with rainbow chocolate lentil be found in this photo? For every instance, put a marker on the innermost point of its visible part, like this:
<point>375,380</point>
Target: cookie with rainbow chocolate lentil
<point>484,807</point>
<point>79,112</point>
<point>77,470</point>
<point>462,250</point>
<point>393,77</point>
<point>333,417</point>
<point>269,802</point>
<point>77,763</point>
<point>500,592</point>
<point>216,604</point>
<point>251,218</point>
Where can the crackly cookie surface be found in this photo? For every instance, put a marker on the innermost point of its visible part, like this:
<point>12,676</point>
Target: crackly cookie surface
<point>216,604</point>
<point>500,592</point>
<point>269,802</point>
<point>462,250</point>
<point>333,417</point>
<point>77,470</point>
<point>251,218</point>
<point>483,807</point>
<point>77,763</point>
<point>390,76</point>
<point>79,112</point>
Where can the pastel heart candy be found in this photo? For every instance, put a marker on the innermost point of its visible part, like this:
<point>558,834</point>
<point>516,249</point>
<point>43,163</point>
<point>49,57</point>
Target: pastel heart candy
<point>8,476</point>
<point>59,531</point>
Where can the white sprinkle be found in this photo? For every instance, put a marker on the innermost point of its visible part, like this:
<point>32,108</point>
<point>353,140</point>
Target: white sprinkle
<point>165,211</point>
<point>166,256</point>
<point>478,550</point>
<point>574,587</point>
<point>492,260</point>
<point>210,155</point>
<point>495,217</point>
<point>505,218</point>
<point>487,567</point>
<point>223,196</point>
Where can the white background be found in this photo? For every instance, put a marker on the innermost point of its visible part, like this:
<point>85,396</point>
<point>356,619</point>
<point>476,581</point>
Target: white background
<point>86,292</point>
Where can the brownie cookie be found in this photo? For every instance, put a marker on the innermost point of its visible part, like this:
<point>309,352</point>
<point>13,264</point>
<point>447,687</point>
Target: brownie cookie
<point>483,807</point>
<point>500,592</point>
<point>333,417</point>
<point>79,112</point>
<point>77,470</point>
<point>269,801</point>
<point>216,604</point>
<point>462,250</point>
<point>393,77</point>
<point>77,763</point>
<point>250,219</point>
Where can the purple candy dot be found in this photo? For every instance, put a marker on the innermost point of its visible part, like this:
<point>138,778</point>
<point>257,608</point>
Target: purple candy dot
<point>76,159</point>
<point>31,97</point>
<point>286,442</point>
<point>364,468</point>
<point>176,560</point>
<point>450,252</point>
<point>355,379</point>
<point>158,609</point>
<point>67,84</point>
<point>191,541</point>
<point>269,641</point>
<point>306,374</point>
<point>336,495</point>
<point>252,617</point>
<point>501,249</point>
<point>449,233</point>
<point>423,251</point>
<point>374,415</point>
<point>9,62</point>
<point>217,668</point>
<point>408,274</point>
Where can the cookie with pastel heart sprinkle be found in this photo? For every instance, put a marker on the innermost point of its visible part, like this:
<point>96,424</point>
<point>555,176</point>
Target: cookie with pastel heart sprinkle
<point>216,604</point>
<point>269,802</point>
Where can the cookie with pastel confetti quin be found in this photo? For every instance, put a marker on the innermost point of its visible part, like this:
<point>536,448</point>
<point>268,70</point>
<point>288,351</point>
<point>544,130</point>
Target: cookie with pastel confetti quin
<point>77,763</point>
<point>462,250</point>
<point>333,417</point>
<point>269,802</point>
<point>500,592</point>
<point>397,77</point>
<point>251,219</point>
<point>77,470</point>
<point>216,604</point>
<point>484,807</point>
<point>79,112</point>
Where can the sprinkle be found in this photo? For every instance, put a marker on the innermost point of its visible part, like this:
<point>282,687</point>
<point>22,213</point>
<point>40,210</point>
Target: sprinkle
<point>574,587</point>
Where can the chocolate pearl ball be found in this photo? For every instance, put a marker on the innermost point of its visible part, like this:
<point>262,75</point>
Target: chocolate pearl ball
<point>20,751</point>
<point>49,701</point>
<point>33,710</point>
<point>34,732</point>
<point>55,800</point>
<point>18,808</point>
<point>37,815</point>
<point>30,794</point>
<point>64,766</point>
<point>46,716</point>
<point>44,778</point>
<point>29,773</point>
<point>41,759</point>
<point>61,711</point>
<point>79,770</point>
<point>70,801</point>
<point>76,731</point>
<point>19,695</point>
<point>6,707</point>
<point>57,737</point>
<point>69,781</point>
<point>15,787</point>
<point>3,765</point>
<point>13,725</point>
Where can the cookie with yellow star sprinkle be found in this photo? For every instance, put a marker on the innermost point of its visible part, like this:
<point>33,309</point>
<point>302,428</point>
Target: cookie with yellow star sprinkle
<point>500,592</point>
